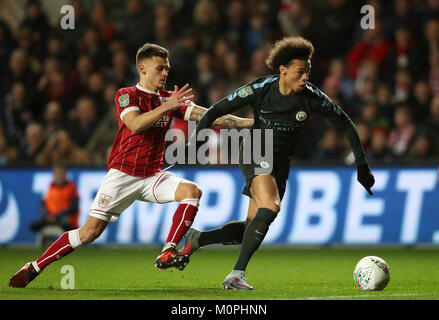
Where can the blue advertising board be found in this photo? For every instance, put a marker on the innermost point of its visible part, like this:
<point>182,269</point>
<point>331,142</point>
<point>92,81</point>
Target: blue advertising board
<point>322,205</point>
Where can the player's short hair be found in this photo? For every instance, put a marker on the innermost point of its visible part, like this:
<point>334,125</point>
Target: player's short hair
<point>288,49</point>
<point>149,50</point>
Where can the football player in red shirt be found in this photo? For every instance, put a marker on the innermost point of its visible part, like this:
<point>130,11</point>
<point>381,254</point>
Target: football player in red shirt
<point>135,164</point>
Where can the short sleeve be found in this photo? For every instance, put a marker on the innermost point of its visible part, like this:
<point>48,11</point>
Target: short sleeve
<point>125,103</point>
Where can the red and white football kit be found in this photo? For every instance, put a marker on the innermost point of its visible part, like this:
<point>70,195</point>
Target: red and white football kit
<point>134,173</point>
<point>136,160</point>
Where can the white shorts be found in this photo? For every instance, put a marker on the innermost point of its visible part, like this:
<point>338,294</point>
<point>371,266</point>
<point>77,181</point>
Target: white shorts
<point>119,190</point>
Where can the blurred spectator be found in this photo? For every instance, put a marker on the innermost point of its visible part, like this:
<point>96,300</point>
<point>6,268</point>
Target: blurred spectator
<point>103,136</point>
<point>422,51</point>
<point>374,46</point>
<point>163,26</point>
<point>430,126</point>
<point>402,133</point>
<point>433,76</point>
<point>123,71</point>
<point>421,148</point>
<point>419,100</point>
<point>16,114</point>
<point>6,46</point>
<point>137,24</point>
<point>258,67</point>
<point>82,21</point>
<point>95,90</point>
<point>294,19</point>
<point>185,48</point>
<point>206,76</point>
<point>235,21</point>
<point>403,83</point>
<point>337,71</point>
<point>365,83</point>
<point>384,96</point>
<point>101,20</point>
<point>405,14</point>
<point>19,70</point>
<point>52,118</point>
<point>78,77</point>
<point>331,87</point>
<point>370,114</point>
<point>365,133</point>
<point>256,33</point>
<point>36,22</point>
<point>379,150</point>
<point>29,152</point>
<point>56,46</point>
<point>232,76</point>
<point>92,44</point>
<point>400,52</point>
<point>85,120</point>
<point>206,21</point>
<point>61,149</point>
<point>60,204</point>
<point>7,153</point>
<point>331,146</point>
<point>333,26</point>
<point>57,89</point>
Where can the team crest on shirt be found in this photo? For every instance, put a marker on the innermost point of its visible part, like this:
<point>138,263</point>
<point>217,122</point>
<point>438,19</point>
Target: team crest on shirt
<point>244,92</point>
<point>124,100</point>
<point>104,200</point>
<point>301,116</point>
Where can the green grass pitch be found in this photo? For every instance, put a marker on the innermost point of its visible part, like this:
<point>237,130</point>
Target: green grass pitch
<point>277,273</point>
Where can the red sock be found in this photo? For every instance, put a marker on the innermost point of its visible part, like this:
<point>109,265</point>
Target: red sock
<point>60,248</point>
<point>182,220</point>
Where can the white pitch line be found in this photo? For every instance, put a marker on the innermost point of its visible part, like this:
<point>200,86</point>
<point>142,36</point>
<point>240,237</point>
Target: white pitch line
<point>365,296</point>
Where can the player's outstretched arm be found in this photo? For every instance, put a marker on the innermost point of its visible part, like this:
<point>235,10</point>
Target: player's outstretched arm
<point>342,121</point>
<point>228,121</point>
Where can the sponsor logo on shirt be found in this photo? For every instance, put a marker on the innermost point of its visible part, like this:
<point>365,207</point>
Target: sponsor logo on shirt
<point>124,100</point>
<point>244,92</point>
<point>163,122</point>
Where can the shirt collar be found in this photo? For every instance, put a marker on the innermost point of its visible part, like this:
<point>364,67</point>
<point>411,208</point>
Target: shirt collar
<point>138,86</point>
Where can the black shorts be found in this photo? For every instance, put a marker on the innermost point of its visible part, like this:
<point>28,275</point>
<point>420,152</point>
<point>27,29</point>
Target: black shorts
<point>280,172</point>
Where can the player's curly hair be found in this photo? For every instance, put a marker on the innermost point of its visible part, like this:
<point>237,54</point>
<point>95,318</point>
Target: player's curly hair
<point>149,50</point>
<point>288,49</point>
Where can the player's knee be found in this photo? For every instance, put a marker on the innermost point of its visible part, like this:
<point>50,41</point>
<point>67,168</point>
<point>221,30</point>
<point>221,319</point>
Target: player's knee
<point>193,191</point>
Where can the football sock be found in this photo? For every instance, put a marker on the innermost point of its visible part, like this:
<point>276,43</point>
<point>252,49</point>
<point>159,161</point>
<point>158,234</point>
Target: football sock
<point>182,220</point>
<point>230,233</point>
<point>254,234</point>
<point>65,244</point>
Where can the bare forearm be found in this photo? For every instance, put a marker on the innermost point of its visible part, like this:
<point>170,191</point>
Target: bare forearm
<point>140,122</point>
<point>228,121</point>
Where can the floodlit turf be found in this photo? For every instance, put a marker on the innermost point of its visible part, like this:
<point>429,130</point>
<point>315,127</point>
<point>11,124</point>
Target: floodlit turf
<point>276,273</point>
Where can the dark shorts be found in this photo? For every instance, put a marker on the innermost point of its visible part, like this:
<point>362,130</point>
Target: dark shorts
<point>280,172</point>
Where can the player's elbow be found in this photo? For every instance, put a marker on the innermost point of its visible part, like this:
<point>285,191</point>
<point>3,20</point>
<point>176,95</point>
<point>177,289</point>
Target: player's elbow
<point>134,127</point>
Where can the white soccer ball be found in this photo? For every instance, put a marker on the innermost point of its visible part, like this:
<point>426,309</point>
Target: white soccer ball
<point>371,273</point>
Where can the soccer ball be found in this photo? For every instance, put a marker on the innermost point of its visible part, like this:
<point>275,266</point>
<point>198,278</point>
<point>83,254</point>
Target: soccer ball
<point>371,273</point>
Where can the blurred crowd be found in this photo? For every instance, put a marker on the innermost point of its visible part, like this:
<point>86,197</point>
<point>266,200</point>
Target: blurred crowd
<point>57,86</point>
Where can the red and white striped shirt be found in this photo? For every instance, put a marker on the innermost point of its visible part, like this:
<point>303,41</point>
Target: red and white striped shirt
<point>141,154</point>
